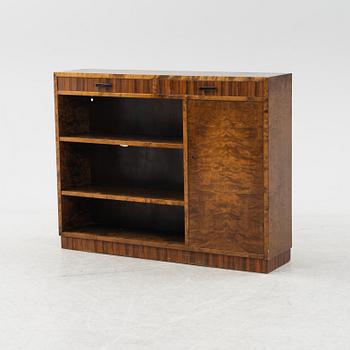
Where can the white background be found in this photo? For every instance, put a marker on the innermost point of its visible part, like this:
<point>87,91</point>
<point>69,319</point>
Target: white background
<point>148,305</point>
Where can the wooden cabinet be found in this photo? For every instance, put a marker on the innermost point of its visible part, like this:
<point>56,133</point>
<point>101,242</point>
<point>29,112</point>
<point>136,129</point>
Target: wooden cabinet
<point>182,167</point>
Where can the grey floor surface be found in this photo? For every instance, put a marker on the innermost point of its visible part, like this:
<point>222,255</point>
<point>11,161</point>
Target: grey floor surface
<point>59,299</point>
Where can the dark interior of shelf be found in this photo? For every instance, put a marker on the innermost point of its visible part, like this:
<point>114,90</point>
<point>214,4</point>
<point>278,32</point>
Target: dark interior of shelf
<point>103,166</point>
<point>156,119</point>
<point>123,219</point>
<point>133,192</point>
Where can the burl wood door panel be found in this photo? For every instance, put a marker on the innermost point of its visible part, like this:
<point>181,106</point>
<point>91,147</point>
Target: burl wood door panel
<point>225,144</point>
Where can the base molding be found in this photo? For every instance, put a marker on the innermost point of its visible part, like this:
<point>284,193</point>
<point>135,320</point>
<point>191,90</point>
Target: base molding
<point>176,255</point>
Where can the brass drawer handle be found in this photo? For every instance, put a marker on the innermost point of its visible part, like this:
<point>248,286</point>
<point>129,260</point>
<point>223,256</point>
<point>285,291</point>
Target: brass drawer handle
<point>103,85</point>
<point>208,88</point>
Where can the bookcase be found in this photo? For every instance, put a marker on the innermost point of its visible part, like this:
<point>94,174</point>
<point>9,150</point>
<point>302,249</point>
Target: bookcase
<point>181,167</point>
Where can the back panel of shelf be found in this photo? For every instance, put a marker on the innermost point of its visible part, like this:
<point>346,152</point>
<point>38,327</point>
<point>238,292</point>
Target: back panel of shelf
<point>110,166</point>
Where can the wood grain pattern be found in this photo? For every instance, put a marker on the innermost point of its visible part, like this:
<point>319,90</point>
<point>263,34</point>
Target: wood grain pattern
<point>58,165</point>
<point>154,238</point>
<point>73,115</point>
<point>123,140</point>
<point>175,255</point>
<point>218,88</point>
<point>75,166</point>
<point>164,86</point>
<point>142,86</point>
<point>205,178</point>
<point>225,176</point>
<point>266,169</point>
<point>152,74</point>
<point>160,96</point>
<point>185,164</point>
<point>280,164</point>
<point>131,236</point>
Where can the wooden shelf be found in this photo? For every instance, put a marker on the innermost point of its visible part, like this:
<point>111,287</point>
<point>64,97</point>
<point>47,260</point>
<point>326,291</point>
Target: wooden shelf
<point>109,234</point>
<point>228,160</point>
<point>140,195</point>
<point>121,140</point>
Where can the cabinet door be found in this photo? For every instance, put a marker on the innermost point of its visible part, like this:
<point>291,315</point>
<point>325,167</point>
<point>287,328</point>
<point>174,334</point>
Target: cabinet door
<point>225,145</point>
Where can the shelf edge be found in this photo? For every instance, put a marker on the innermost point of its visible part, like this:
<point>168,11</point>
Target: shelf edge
<point>120,141</point>
<point>123,197</point>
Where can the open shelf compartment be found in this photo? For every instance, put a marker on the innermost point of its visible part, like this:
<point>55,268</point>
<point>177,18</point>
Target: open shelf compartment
<point>108,220</point>
<point>135,174</point>
<point>133,193</point>
<point>121,121</point>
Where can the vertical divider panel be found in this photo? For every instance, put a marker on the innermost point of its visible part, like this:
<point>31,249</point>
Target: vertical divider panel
<point>185,160</point>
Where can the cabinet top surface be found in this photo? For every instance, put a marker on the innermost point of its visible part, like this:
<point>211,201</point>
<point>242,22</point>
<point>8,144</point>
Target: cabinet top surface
<point>166,74</point>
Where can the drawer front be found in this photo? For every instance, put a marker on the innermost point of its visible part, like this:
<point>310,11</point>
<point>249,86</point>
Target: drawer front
<point>211,88</point>
<point>115,85</point>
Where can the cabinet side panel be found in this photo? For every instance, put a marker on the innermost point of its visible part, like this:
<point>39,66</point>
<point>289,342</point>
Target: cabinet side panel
<point>226,176</point>
<point>280,164</point>
<point>57,134</point>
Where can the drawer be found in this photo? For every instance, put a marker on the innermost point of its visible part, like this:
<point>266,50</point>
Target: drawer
<point>115,85</point>
<point>211,88</point>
